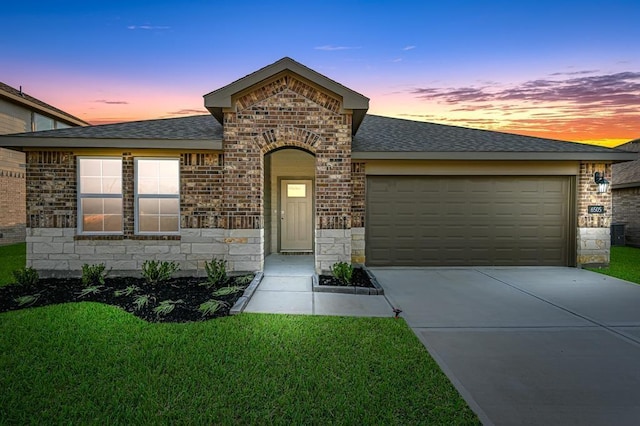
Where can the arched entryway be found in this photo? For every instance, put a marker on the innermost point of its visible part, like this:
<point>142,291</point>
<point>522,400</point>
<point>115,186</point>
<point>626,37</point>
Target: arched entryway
<point>289,201</point>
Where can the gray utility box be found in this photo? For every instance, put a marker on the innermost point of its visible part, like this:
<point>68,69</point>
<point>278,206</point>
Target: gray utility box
<point>617,234</point>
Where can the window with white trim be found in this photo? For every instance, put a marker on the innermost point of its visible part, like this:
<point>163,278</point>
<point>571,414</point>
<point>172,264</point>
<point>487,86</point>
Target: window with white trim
<point>157,196</point>
<point>100,195</point>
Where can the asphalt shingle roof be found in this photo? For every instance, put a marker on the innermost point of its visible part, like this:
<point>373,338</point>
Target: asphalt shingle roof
<point>628,173</point>
<point>384,134</point>
<point>377,134</point>
<point>198,127</point>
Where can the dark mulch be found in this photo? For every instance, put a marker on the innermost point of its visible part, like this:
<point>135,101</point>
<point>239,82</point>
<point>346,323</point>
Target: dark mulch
<point>186,291</point>
<point>359,279</point>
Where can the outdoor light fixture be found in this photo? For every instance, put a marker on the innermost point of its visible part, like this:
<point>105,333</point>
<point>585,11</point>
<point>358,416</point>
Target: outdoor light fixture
<point>603,184</point>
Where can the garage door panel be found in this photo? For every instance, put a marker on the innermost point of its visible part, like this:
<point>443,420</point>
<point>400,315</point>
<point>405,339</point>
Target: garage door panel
<point>486,220</point>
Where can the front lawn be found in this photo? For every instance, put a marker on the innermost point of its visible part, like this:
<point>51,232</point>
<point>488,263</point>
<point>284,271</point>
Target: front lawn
<point>625,264</point>
<point>12,257</point>
<point>83,363</point>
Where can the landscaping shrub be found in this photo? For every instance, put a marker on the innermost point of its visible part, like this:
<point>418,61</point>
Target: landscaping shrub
<point>216,272</point>
<point>155,271</point>
<point>25,276</point>
<point>94,274</point>
<point>342,271</point>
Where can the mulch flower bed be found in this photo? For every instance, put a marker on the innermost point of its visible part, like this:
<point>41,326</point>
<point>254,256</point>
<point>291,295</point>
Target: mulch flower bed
<point>359,279</point>
<point>175,300</point>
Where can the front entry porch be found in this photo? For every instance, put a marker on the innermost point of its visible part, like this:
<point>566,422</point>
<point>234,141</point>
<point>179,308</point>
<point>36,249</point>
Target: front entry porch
<point>286,289</point>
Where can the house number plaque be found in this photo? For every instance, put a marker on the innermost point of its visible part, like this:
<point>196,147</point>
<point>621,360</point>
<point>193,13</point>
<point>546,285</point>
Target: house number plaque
<point>595,209</point>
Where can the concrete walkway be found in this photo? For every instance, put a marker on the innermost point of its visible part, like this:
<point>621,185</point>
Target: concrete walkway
<point>286,289</point>
<point>534,346</point>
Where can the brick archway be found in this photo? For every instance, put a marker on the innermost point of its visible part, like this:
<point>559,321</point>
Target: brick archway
<point>287,137</point>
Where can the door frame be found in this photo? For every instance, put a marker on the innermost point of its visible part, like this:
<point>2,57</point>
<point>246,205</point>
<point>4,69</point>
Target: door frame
<point>313,209</point>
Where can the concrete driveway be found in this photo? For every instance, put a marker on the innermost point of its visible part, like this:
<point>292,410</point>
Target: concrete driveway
<point>537,345</point>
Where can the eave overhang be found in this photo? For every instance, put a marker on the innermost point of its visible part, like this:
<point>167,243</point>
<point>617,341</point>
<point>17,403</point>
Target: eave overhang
<point>613,156</point>
<point>23,143</point>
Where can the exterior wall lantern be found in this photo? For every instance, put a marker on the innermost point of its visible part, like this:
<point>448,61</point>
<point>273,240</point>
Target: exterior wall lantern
<point>603,184</point>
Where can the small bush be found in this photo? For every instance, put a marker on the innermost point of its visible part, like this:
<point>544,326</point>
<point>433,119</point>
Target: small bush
<point>128,291</point>
<point>211,306</point>
<point>343,271</point>
<point>94,274</point>
<point>216,272</point>
<point>155,272</point>
<point>225,291</point>
<point>25,276</point>
<point>92,289</point>
<point>27,300</point>
<point>244,279</point>
<point>166,307</point>
<point>141,301</point>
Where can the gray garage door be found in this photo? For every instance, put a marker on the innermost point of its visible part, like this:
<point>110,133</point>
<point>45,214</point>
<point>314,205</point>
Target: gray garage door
<point>470,220</point>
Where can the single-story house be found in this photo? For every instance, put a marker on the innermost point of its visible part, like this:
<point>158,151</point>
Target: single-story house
<point>626,195</point>
<point>288,161</point>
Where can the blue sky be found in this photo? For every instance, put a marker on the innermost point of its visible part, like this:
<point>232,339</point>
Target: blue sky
<point>563,69</point>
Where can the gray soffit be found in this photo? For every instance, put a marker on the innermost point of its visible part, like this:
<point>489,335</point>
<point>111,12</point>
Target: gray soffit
<point>219,99</point>
<point>195,132</point>
<point>392,138</point>
<point>627,175</point>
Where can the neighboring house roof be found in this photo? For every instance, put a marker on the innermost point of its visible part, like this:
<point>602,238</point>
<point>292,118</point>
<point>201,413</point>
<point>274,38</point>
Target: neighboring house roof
<point>221,98</point>
<point>627,175</point>
<point>378,138</point>
<point>21,98</point>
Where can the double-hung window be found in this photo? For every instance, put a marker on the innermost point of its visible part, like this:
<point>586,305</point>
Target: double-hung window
<point>157,196</point>
<point>100,195</point>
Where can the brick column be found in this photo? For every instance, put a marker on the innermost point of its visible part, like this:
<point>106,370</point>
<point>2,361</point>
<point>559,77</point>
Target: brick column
<point>358,180</point>
<point>593,233</point>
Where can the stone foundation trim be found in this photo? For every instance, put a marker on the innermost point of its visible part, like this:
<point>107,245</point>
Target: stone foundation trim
<point>594,247</point>
<point>357,246</point>
<point>56,252</point>
<point>331,246</point>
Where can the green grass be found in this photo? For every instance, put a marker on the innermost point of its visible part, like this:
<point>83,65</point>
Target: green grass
<point>12,257</point>
<point>87,363</point>
<point>625,264</point>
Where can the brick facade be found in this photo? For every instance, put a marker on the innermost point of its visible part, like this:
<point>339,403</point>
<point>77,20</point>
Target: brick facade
<point>358,180</point>
<point>54,245</point>
<point>287,112</point>
<point>626,210</point>
<point>12,197</point>
<point>51,189</point>
<point>201,178</point>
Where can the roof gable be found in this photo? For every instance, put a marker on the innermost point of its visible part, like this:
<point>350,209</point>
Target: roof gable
<point>219,99</point>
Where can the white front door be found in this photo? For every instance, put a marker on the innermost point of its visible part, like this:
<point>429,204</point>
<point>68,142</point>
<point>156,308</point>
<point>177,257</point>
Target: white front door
<point>296,224</point>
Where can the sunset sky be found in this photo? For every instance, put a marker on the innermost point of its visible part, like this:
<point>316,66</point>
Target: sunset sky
<point>566,70</point>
